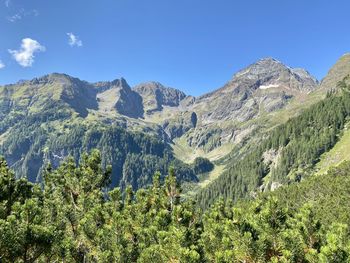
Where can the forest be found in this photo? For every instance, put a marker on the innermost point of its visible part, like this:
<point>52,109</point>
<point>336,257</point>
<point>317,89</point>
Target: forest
<point>73,217</point>
<point>299,143</point>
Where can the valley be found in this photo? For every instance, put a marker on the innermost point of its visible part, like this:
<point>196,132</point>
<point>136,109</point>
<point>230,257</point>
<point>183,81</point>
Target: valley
<point>258,98</point>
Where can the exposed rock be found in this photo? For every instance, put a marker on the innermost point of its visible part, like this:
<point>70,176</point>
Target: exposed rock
<point>177,127</point>
<point>266,85</point>
<point>155,96</point>
<point>275,185</point>
<point>117,95</point>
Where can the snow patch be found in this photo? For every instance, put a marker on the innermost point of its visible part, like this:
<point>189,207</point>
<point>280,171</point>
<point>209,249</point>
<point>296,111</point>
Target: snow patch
<point>269,86</point>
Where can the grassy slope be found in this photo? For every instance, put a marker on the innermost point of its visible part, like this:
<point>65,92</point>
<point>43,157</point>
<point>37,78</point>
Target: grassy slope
<point>187,154</point>
<point>339,153</point>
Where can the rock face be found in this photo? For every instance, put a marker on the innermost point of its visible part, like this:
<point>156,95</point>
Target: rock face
<point>155,96</point>
<point>180,125</point>
<point>118,96</point>
<point>266,86</point>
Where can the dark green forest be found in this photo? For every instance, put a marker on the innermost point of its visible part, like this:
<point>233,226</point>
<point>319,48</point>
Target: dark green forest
<point>299,144</point>
<point>72,217</point>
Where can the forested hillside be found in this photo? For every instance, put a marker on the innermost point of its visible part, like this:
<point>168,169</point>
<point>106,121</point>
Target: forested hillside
<point>139,130</point>
<point>134,156</point>
<point>287,154</point>
<point>48,119</point>
<point>71,218</point>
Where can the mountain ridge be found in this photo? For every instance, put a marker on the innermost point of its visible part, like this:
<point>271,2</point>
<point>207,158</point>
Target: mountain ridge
<point>211,125</point>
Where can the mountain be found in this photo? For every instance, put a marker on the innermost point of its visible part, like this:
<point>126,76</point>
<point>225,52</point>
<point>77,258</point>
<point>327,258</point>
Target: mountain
<point>46,119</point>
<point>291,151</point>
<point>243,106</point>
<point>266,85</point>
<point>150,125</point>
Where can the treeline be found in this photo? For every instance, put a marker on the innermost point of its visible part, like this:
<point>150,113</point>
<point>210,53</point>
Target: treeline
<point>298,145</point>
<point>71,218</point>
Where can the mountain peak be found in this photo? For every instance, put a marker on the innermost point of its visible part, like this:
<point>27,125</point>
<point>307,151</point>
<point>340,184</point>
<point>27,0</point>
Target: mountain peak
<point>266,85</point>
<point>262,66</point>
<point>155,95</point>
<point>120,82</point>
<point>269,60</point>
<point>272,72</point>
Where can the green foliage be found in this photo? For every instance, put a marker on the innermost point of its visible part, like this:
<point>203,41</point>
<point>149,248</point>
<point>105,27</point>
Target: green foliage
<point>72,218</point>
<point>202,165</point>
<point>135,156</point>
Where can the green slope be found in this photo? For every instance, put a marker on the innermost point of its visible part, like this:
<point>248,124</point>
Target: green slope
<point>339,153</point>
<point>296,147</point>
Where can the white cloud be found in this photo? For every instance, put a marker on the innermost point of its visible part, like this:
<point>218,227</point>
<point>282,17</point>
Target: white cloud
<point>25,55</point>
<point>15,17</point>
<point>21,14</point>
<point>74,40</point>
<point>2,65</point>
<point>7,3</point>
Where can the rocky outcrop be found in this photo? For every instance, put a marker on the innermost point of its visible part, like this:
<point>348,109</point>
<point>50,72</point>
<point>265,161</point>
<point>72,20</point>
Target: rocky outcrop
<point>178,126</point>
<point>118,96</point>
<point>155,96</point>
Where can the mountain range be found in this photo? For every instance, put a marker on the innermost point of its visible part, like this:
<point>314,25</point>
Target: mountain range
<point>151,127</point>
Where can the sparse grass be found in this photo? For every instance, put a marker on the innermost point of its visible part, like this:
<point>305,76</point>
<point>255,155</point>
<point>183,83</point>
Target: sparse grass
<point>187,154</point>
<point>339,153</point>
<point>215,173</point>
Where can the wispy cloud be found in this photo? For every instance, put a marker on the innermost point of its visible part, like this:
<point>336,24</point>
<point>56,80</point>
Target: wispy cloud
<point>74,40</point>
<point>2,65</point>
<point>21,14</point>
<point>7,3</point>
<point>15,17</point>
<point>25,55</point>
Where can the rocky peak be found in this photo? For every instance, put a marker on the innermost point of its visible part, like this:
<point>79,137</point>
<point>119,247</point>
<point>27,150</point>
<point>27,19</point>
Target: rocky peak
<point>270,73</point>
<point>266,85</point>
<point>155,96</point>
<point>117,96</point>
<point>262,66</point>
<point>102,86</point>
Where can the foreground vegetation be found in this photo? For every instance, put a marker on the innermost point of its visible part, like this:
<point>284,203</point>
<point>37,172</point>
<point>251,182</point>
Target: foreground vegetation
<point>72,217</point>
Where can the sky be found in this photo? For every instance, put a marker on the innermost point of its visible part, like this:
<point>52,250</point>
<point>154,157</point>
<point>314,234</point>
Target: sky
<point>192,45</point>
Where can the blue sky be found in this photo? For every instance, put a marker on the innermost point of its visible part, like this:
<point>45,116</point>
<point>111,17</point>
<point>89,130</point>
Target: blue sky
<point>193,45</point>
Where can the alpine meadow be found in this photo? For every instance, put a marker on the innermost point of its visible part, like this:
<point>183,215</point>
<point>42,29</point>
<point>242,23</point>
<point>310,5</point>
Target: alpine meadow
<point>135,170</point>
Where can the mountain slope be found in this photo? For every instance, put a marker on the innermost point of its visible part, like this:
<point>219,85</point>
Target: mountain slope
<point>49,118</point>
<point>287,154</point>
<point>338,72</point>
<point>46,119</point>
<point>245,105</point>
